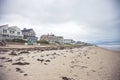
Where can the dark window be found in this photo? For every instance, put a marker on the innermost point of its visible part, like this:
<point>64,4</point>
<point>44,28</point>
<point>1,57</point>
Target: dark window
<point>4,31</point>
<point>12,32</point>
<point>18,33</point>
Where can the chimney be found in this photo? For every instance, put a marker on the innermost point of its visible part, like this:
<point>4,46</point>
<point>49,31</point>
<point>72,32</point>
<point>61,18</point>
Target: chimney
<point>24,28</point>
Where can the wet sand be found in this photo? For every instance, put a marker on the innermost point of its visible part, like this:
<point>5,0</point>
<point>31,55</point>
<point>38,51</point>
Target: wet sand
<point>85,63</point>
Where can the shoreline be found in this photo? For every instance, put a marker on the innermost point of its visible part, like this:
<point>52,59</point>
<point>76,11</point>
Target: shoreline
<point>111,47</point>
<point>109,50</point>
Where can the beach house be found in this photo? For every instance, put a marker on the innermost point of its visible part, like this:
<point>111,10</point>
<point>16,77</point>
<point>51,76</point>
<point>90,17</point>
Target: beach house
<point>68,41</point>
<point>12,32</point>
<point>49,37</point>
<point>59,39</point>
<point>29,34</point>
<point>52,39</point>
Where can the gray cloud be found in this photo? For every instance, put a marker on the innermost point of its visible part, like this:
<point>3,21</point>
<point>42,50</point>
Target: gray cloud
<point>86,20</point>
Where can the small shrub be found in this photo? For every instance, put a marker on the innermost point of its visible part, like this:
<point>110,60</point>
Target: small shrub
<point>19,40</point>
<point>43,42</point>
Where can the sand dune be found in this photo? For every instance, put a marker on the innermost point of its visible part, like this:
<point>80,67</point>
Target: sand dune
<point>85,63</point>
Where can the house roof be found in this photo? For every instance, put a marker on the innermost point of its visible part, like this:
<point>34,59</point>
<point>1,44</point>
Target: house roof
<point>69,39</point>
<point>59,36</point>
<point>3,25</point>
<point>11,28</point>
<point>26,30</point>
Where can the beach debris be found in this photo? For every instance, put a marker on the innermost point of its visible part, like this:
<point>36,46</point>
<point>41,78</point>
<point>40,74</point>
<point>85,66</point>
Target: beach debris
<point>62,48</point>
<point>76,75</point>
<point>45,64</point>
<point>71,50</point>
<point>72,66</point>
<point>65,56</point>
<point>40,60</point>
<point>83,67</point>
<point>88,57</point>
<point>66,78</point>
<point>22,52</point>
<point>19,59</point>
<point>6,50</point>
<point>19,70</point>
<point>42,50</point>
<point>9,69</point>
<point>8,60</point>
<point>84,54</point>
<point>47,54</point>
<point>54,53</point>
<point>21,63</point>
<point>93,71</point>
<point>42,55</point>
<point>33,56</point>
<point>2,53</point>
<point>2,58</point>
<point>13,53</point>
<point>47,60</point>
<point>72,61</point>
<point>25,74</point>
<point>1,65</point>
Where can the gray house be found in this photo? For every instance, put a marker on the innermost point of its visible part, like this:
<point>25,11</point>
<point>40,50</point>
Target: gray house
<point>29,34</point>
<point>7,32</point>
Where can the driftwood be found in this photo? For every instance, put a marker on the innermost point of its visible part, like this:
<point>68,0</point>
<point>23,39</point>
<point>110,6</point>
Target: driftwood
<point>2,43</point>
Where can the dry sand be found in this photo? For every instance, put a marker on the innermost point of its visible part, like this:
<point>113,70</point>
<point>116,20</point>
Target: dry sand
<point>86,63</point>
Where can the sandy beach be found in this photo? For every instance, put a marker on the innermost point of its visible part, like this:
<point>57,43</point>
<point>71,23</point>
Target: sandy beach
<point>85,63</point>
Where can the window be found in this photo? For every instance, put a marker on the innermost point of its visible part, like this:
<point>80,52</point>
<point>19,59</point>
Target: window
<point>4,31</point>
<point>18,33</point>
<point>12,32</point>
<point>5,35</point>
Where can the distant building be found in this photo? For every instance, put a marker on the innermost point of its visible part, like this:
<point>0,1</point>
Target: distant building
<point>52,39</point>
<point>48,37</point>
<point>59,39</point>
<point>68,41</point>
<point>79,42</point>
<point>12,32</point>
<point>29,34</point>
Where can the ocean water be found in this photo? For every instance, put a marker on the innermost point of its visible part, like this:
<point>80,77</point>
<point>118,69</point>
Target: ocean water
<point>111,46</point>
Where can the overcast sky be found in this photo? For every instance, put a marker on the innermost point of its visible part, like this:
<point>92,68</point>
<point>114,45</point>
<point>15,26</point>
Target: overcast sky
<point>84,20</point>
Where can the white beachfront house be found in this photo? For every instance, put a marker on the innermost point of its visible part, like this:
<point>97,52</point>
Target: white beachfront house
<point>68,41</point>
<point>12,32</point>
